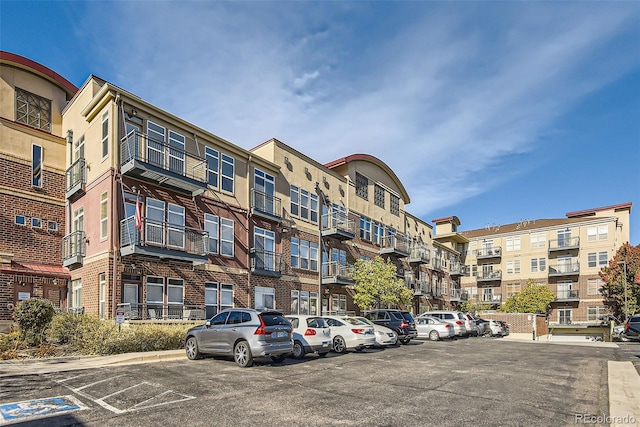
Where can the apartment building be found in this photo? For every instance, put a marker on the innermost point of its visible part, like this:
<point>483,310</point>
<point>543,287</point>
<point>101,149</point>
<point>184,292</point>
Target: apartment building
<point>564,253</point>
<point>32,170</point>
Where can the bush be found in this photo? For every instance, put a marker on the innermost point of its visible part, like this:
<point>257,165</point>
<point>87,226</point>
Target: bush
<point>33,316</point>
<point>73,329</point>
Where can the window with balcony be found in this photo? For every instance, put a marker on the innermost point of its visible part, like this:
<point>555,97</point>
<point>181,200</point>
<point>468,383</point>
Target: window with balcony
<point>378,232</point>
<point>565,316</point>
<point>175,291</point>
<point>365,228</point>
<point>378,196</point>
<point>394,204</point>
<point>265,187</point>
<point>212,226</point>
<point>36,165</point>
<point>78,148</point>
<point>213,166</point>
<point>362,186</point>
<point>176,152</point>
<point>155,290</point>
<point>265,298</point>
<point>156,144</point>
<point>33,110</point>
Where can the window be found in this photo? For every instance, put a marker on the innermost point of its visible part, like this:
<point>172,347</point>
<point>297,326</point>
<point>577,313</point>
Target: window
<point>599,259</point>
<point>513,267</point>
<point>303,204</point>
<point>301,302</point>
<point>564,316</point>
<point>264,244</point>
<point>176,152</point>
<point>20,220</point>
<point>603,259</point>
<point>76,294</point>
<point>538,264</point>
<point>102,281</point>
<point>365,228</point>
<point>156,144</point>
<point>155,290</point>
<point>78,219</point>
<point>33,110</point>
<point>594,285</point>
<point>175,291</point>
<point>362,186</point>
<point>599,232</point>
<point>105,134</point>
<point>104,216</point>
<point>36,165</point>
<point>339,304</point>
<point>175,226</point>
<point>226,236</point>
<point>513,243</point>
<point>52,226</point>
<point>211,299</point>
<point>213,166</point>
<point>265,298</point>
<point>538,241</point>
<point>211,225</point>
<point>378,233</point>
<point>394,204</point>
<point>294,194</point>
<point>378,196</point>
<point>36,222</point>
<point>226,296</point>
<point>78,148</point>
<point>596,313</point>
<point>512,288</point>
<point>304,254</point>
<point>228,171</point>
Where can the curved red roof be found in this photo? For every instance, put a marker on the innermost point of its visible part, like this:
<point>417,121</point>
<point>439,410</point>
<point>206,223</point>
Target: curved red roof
<point>40,69</point>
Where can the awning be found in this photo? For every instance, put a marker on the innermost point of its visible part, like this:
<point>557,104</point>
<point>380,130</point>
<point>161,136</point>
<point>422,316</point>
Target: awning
<point>37,269</point>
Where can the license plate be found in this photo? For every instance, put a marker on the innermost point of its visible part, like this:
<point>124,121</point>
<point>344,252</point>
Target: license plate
<point>279,334</point>
<point>326,344</point>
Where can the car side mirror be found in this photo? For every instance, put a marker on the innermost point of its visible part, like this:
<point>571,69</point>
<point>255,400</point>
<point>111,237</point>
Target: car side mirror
<point>208,323</point>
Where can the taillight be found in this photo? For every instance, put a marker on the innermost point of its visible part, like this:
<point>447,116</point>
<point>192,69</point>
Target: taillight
<point>447,326</point>
<point>404,325</point>
<point>358,331</point>
<point>310,332</point>
<point>260,330</point>
<point>458,322</point>
<point>626,327</point>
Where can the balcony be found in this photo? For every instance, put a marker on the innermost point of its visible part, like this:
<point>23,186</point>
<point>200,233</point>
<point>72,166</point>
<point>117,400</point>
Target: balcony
<point>395,245</point>
<point>436,264</point>
<point>489,276</point>
<point>341,274</point>
<point>457,269</point>
<point>164,312</point>
<point>73,248</point>
<point>491,299</point>
<point>455,295</point>
<point>337,225</point>
<point>492,252</point>
<point>266,263</point>
<point>567,295</point>
<point>569,243</point>
<point>76,179</point>
<point>266,206</point>
<point>421,287</point>
<point>565,269</point>
<point>161,164</point>
<point>163,240</point>
<point>420,254</point>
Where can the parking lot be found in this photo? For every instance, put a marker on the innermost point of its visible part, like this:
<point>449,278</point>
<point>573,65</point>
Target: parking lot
<point>477,381</point>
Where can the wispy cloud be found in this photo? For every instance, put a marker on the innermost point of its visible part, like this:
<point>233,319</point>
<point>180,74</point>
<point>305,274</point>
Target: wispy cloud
<point>448,95</point>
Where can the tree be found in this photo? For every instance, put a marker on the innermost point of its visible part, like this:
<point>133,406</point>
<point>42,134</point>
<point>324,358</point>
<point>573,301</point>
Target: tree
<point>377,285</point>
<point>474,306</point>
<point>533,298</point>
<point>614,280</point>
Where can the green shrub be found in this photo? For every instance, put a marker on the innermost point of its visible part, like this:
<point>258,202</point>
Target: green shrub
<point>33,316</point>
<point>73,329</point>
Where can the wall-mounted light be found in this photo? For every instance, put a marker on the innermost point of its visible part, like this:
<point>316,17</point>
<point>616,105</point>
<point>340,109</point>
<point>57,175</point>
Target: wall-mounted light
<point>134,112</point>
<point>55,281</point>
<point>306,170</point>
<point>286,160</point>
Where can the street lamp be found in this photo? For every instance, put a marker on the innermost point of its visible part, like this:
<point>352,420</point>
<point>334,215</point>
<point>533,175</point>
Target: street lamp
<point>626,302</point>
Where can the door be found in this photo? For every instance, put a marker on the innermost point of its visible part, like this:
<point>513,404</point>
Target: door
<point>154,229</point>
<point>129,232</point>
<point>131,149</point>
<point>176,153</point>
<point>210,335</point>
<point>156,145</point>
<point>564,264</point>
<point>265,246</point>
<point>175,226</point>
<point>264,185</point>
<point>130,297</point>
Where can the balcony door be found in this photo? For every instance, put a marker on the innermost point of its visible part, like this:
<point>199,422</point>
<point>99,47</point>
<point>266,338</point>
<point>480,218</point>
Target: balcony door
<point>264,242</point>
<point>487,271</point>
<point>487,247</point>
<point>264,184</point>
<point>564,289</point>
<point>156,144</point>
<point>130,299</point>
<point>487,294</point>
<point>564,263</point>
<point>176,153</point>
<point>175,226</point>
<point>129,230</point>
<point>154,222</point>
<point>564,238</point>
<point>132,142</point>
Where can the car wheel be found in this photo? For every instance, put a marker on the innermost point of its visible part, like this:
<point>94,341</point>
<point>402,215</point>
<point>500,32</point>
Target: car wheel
<point>359,348</point>
<point>405,341</point>
<point>298,350</point>
<point>242,354</point>
<point>339,346</point>
<point>279,358</point>
<point>434,335</point>
<point>323,354</point>
<point>192,349</point>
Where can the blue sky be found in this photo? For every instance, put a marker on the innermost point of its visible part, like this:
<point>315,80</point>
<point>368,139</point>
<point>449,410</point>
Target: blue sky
<point>491,111</point>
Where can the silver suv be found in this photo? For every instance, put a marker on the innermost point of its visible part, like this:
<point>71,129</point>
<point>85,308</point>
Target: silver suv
<point>244,333</point>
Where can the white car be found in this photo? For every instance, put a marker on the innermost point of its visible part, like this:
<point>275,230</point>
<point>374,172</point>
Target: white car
<point>384,336</point>
<point>456,318</point>
<point>311,334</point>
<point>433,328</point>
<point>496,329</point>
<point>350,333</point>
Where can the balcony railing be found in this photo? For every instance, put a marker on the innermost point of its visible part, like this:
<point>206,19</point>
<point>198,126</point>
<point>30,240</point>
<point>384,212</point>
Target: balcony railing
<point>395,245</point>
<point>457,269</point>
<point>492,252</point>
<point>564,244</point>
<point>266,205</point>
<point>338,226</point>
<point>162,164</point>
<point>565,269</point>
<point>164,312</point>
<point>567,295</point>
<point>421,287</point>
<point>266,263</point>
<point>455,295</point>
<point>163,240</point>
<point>419,254</point>
<point>334,272</point>
<point>73,248</point>
<point>436,263</point>
<point>489,275</point>
<point>493,299</point>
<point>76,178</point>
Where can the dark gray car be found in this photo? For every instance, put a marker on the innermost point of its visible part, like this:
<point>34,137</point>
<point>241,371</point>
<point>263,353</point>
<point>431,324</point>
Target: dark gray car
<point>243,333</point>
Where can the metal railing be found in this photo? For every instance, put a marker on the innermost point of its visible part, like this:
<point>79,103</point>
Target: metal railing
<point>457,269</point>
<point>436,263</point>
<point>420,252</point>
<point>339,221</point>
<point>493,251</point>
<point>138,146</point>
<point>266,203</point>
<point>76,175</point>
<point>395,242</point>
<point>337,270</point>
<point>495,299</point>
<point>73,245</point>
<point>163,235</point>
<point>489,275</point>
<point>163,312</point>
<point>565,268</point>
<point>566,243</point>
<point>262,260</point>
<point>567,294</point>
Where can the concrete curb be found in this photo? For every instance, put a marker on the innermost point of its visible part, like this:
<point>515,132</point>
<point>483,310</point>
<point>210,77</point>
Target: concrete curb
<point>624,394</point>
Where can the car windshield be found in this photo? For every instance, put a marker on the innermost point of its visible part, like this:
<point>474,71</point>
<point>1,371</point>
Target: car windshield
<point>353,321</point>
<point>274,319</point>
<point>316,322</point>
<point>407,316</point>
<point>365,320</point>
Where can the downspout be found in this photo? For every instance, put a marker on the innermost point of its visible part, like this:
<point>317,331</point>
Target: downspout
<point>69,211</point>
<point>249,228</point>
<point>115,240</point>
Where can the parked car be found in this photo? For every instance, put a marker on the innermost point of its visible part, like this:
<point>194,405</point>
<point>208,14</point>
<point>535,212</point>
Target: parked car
<point>402,322</point>
<point>350,333</point>
<point>471,325</point>
<point>311,334</point>
<point>243,333</point>
<point>457,318</point>
<point>632,328</point>
<point>496,328</point>
<point>384,336</point>
<point>434,328</point>
<point>483,326</point>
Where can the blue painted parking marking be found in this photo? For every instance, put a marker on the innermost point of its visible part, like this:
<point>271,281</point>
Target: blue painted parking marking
<point>20,411</point>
